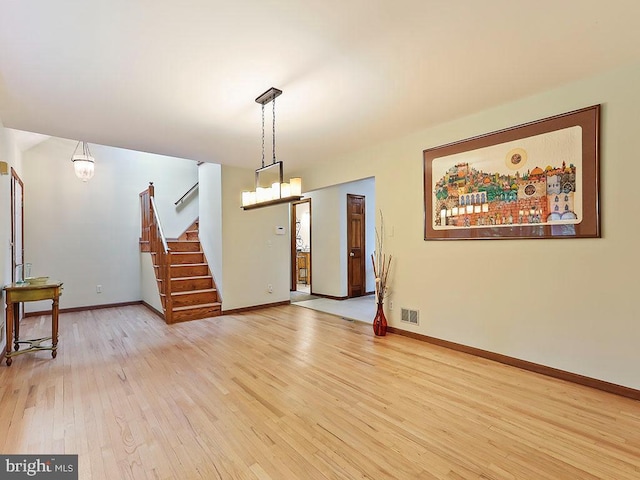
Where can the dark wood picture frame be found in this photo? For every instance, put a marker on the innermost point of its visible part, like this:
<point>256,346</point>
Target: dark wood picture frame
<point>537,180</point>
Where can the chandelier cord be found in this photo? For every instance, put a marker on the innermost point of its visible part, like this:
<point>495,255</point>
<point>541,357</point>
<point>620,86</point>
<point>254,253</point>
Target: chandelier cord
<point>85,149</point>
<point>274,130</point>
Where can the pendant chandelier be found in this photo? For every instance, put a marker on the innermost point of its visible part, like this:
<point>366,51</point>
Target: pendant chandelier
<point>270,189</point>
<point>83,162</point>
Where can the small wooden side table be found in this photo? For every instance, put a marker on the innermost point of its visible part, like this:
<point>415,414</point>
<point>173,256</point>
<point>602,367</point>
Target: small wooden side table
<point>17,293</point>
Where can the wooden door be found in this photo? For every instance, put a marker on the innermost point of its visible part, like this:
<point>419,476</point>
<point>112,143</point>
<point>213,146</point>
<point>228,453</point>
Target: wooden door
<point>356,246</point>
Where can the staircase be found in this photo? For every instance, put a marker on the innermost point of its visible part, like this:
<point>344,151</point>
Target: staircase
<point>193,292</point>
<point>187,289</point>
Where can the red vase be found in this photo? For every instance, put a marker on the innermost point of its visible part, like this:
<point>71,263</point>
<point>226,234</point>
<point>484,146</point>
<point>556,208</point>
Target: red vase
<point>380,322</point>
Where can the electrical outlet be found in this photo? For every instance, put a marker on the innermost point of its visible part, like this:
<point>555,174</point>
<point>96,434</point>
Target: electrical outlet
<point>270,288</point>
<point>98,288</point>
<point>390,304</point>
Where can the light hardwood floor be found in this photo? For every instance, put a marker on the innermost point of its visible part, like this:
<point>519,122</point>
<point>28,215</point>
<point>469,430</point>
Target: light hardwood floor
<point>291,393</point>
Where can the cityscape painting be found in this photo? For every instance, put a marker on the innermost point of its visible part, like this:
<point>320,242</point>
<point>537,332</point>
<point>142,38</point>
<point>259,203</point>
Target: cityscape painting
<point>537,180</point>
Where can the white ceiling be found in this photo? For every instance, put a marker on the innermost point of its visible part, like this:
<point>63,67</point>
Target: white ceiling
<point>180,77</point>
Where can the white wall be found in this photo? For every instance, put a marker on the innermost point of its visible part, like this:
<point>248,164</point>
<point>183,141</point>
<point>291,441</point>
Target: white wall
<point>329,236</point>
<point>148,282</point>
<point>253,255</point>
<point>328,265</point>
<point>8,153</point>
<point>210,205</point>
<point>592,327</point>
<point>86,234</point>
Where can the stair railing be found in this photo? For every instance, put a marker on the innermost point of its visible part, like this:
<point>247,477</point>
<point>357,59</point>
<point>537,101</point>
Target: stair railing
<point>183,197</point>
<point>153,236</point>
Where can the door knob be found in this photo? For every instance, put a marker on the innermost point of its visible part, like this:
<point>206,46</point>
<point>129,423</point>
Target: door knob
<point>352,254</point>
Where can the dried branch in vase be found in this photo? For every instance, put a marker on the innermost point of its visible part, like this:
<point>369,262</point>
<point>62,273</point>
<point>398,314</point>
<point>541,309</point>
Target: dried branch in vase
<point>381,263</point>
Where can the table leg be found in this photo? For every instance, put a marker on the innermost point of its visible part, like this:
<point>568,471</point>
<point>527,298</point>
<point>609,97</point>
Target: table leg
<point>16,326</point>
<point>54,327</point>
<point>9,314</point>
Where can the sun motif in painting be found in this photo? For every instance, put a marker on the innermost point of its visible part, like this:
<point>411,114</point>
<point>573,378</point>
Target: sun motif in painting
<point>516,158</point>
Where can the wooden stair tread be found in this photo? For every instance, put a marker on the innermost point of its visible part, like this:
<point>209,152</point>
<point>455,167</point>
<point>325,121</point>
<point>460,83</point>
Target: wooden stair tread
<point>184,279</point>
<point>194,307</point>
<point>187,265</point>
<point>188,292</point>
<point>187,245</point>
<point>195,277</point>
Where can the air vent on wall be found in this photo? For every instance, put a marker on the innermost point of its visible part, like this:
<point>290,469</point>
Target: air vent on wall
<point>409,316</point>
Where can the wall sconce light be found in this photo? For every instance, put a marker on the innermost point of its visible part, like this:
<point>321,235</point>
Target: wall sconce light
<point>83,163</point>
<point>270,188</point>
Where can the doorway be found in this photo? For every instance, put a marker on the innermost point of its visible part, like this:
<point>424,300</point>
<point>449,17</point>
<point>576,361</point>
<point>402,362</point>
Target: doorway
<point>301,246</point>
<point>356,280</point>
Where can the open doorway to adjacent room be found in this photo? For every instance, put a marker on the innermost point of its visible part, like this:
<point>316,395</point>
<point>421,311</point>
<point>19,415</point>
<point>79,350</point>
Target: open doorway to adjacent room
<point>301,246</point>
<point>338,284</point>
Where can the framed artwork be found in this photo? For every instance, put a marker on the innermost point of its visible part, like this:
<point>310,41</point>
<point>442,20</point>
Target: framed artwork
<point>538,180</point>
